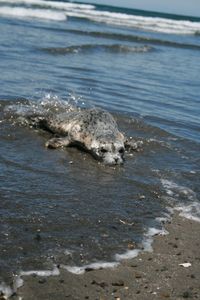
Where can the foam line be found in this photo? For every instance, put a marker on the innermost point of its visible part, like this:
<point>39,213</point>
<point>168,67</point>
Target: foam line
<point>148,240</point>
<point>93,266</point>
<point>145,23</point>
<point>42,273</point>
<point>191,211</point>
<point>127,255</point>
<point>20,12</point>
<point>173,189</point>
<point>52,4</point>
<point>147,244</point>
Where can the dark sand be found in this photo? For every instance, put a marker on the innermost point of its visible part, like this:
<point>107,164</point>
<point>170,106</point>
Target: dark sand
<point>155,275</point>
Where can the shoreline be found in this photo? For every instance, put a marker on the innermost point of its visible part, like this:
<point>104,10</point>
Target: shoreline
<point>150,275</point>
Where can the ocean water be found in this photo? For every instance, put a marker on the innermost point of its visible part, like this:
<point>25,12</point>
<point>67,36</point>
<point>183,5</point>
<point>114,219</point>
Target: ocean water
<point>63,207</point>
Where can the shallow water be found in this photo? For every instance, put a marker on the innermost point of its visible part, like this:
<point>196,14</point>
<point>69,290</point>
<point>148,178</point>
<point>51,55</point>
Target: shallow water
<point>62,206</point>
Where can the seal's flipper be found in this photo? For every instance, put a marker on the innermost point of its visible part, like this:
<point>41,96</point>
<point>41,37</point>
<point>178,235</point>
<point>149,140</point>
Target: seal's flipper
<point>58,142</point>
<point>130,144</point>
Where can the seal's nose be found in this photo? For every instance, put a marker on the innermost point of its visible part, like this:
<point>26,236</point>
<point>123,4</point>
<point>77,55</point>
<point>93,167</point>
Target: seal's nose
<point>118,160</point>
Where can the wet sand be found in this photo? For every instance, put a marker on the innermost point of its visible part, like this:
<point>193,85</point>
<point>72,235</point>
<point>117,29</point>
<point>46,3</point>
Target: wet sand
<point>151,275</point>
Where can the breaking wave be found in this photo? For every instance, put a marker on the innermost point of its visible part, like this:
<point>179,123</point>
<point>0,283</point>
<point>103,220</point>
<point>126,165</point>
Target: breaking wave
<point>95,13</point>
<point>21,12</point>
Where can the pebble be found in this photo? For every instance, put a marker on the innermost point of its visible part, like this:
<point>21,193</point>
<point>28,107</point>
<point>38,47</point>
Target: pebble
<point>61,281</point>
<point>118,283</point>
<point>131,246</point>
<point>164,268</point>
<point>165,295</point>
<point>186,295</point>
<point>137,275</point>
<point>42,280</point>
<point>102,284</point>
<point>185,265</point>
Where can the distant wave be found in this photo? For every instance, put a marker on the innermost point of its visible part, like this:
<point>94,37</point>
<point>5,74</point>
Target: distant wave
<point>21,12</point>
<point>52,4</point>
<point>90,12</point>
<point>133,38</point>
<point>97,47</point>
<point>147,40</point>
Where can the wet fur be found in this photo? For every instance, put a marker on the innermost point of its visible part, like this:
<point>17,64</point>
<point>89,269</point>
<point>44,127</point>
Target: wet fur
<point>93,130</point>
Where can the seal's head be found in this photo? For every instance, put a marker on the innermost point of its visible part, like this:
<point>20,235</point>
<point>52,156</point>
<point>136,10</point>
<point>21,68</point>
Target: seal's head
<point>108,151</point>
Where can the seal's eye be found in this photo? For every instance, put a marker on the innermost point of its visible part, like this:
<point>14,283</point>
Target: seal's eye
<point>121,150</point>
<point>103,150</point>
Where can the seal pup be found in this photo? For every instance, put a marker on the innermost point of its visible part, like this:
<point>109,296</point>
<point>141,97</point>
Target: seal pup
<point>93,130</point>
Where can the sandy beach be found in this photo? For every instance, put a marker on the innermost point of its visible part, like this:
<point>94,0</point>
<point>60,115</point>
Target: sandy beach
<point>171,271</point>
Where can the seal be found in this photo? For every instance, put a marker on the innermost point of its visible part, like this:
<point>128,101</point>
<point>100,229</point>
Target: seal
<point>93,130</point>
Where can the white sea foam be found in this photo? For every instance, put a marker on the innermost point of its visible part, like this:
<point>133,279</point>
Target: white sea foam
<point>42,273</point>
<point>6,290</point>
<point>155,231</point>
<point>164,219</point>
<point>21,12</point>
<point>148,238</point>
<point>173,189</point>
<point>128,254</point>
<point>146,243</point>
<point>144,23</point>
<point>120,19</point>
<point>18,282</point>
<point>52,4</point>
<point>189,210</point>
<point>94,266</point>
